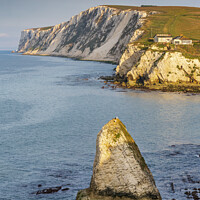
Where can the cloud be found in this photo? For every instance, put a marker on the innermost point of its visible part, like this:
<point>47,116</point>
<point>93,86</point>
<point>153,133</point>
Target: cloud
<point>3,35</point>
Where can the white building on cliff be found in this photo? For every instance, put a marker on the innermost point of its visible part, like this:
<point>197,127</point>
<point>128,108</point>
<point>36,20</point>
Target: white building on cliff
<point>167,38</point>
<point>181,40</point>
<point>163,38</point>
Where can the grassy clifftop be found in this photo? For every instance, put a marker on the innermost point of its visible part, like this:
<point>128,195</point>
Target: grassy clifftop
<point>170,19</point>
<point>175,20</point>
<point>41,28</point>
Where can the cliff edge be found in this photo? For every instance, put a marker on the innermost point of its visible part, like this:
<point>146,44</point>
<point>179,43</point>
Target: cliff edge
<point>99,33</point>
<point>158,69</point>
<point>123,35</point>
<point>119,170</point>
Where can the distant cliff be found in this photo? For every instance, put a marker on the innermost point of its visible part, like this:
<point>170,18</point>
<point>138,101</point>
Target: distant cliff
<point>99,33</point>
<point>120,34</point>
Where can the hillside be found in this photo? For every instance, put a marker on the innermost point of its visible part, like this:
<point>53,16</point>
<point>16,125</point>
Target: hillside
<point>170,19</point>
<point>121,34</point>
<point>159,19</point>
<point>174,20</point>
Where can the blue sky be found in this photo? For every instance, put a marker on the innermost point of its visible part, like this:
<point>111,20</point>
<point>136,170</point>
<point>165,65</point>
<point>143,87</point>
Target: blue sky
<point>16,15</point>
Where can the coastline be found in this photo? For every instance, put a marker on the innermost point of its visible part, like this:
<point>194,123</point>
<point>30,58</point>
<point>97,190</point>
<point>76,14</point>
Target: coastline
<point>118,82</point>
<point>126,115</point>
<point>141,62</point>
<point>122,82</point>
<point>73,58</point>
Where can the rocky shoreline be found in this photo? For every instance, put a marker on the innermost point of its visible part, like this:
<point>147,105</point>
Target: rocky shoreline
<point>116,81</point>
<point>110,34</point>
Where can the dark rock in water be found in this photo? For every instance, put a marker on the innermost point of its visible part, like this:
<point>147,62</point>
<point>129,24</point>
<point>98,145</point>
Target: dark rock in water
<point>193,194</point>
<point>65,189</point>
<point>187,193</point>
<point>119,171</point>
<point>52,189</point>
<point>175,153</point>
<point>107,78</point>
<point>191,179</point>
<point>172,187</point>
<point>49,190</point>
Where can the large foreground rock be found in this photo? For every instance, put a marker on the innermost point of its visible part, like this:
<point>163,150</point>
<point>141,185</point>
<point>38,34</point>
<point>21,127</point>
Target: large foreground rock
<point>119,170</point>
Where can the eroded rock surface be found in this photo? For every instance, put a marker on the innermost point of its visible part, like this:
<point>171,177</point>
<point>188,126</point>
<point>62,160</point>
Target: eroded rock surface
<point>99,33</point>
<point>157,66</point>
<point>119,170</point>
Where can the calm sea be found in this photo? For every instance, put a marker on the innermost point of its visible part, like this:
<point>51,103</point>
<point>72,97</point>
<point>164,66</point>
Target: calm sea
<point>51,110</point>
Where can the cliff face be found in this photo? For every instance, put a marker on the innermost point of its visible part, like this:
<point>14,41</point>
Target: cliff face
<point>153,66</point>
<point>119,170</point>
<point>130,57</point>
<point>99,33</point>
<point>110,34</point>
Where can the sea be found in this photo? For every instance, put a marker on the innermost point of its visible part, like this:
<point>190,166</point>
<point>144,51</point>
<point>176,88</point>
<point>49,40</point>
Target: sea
<point>51,110</point>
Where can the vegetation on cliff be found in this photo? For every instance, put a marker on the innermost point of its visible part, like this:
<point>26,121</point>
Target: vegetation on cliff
<point>123,34</point>
<point>170,19</point>
<point>175,20</point>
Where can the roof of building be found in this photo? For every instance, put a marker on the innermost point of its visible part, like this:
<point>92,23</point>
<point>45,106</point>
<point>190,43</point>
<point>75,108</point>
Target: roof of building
<point>163,35</point>
<point>181,38</point>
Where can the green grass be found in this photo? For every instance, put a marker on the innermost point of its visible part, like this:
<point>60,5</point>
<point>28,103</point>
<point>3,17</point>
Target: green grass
<point>46,28</point>
<point>42,28</point>
<point>175,20</point>
<point>189,51</point>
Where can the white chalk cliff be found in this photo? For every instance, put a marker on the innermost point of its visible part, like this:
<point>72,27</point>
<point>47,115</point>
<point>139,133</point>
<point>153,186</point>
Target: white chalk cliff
<point>99,33</point>
<point>158,66</point>
<point>109,34</point>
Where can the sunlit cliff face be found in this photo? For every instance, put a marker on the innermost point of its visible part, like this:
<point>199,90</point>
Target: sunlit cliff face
<point>99,33</point>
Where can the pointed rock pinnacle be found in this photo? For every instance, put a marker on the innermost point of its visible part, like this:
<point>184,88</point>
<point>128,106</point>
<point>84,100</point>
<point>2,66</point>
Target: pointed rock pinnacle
<point>119,170</point>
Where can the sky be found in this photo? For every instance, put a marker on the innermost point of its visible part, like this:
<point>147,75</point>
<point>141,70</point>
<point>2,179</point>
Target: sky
<point>17,15</point>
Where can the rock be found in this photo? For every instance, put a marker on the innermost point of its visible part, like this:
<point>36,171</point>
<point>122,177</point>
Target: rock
<point>158,66</point>
<point>65,189</point>
<point>99,33</point>
<point>49,190</point>
<point>172,187</point>
<point>119,170</point>
<point>129,58</point>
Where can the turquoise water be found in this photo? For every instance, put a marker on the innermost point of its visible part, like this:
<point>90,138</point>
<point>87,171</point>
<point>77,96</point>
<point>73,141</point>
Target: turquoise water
<point>51,111</point>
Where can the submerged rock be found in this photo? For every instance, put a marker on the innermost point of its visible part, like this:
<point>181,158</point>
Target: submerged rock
<point>49,190</point>
<point>119,170</point>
